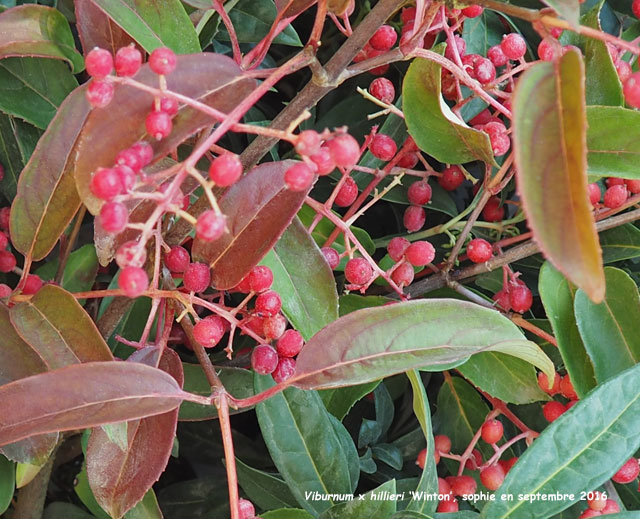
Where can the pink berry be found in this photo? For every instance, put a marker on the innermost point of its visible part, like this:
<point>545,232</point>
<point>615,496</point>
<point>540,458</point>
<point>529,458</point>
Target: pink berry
<point>485,71</point>
<point>543,382</point>
<point>462,485</point>
<point>461,45</point>
<point>614,181</point>
<point>131,254</point>
<point>442,443</point>
<point>624,70</point>
<point>347,193</point>
<point>496,56</point>
<point>99,63</point>
<point>407,15</point>
<point>308,143</point>
<point>594,193</point>
<point>332,257</point>
<point>127,177</point>
<point>298,177</point>
<point>100,93</point>
<point>633,186</point>
<point>177,259</point>
<point>260,278</point>
<point>290,344</point>
<point>492,477</point>
<point>106,184</point>
<point>520,298</point>
<point>208,331</point>
<point>403,275</point>
<point>7,261</point>
<point>163,61</point>
<point>615,196</point>
<point>226,169</point>
<point>419,193</point>
<point>513,46</point>
<point>548,49</point>
<point>552,410</point>
<point>197,277</point>
<point>285,369</point>
<point>268,303</point>
<point>635,8</point>
<point>128,61</point>
<point>384,38</point>
<point>324,161</point>
<point>493,211</point>
<point>408,160</point>
<point>358,271</point>
<point>420,253</point>
<point>492,431</point>
<point>4,241</point>
<point>114,217</point>
<point>210,225</point>
<point>414,218</point>
<point>5,291</point>
<point>133,281</point>
<point>472,11</point>
<point>344,150</point>
<point>451,178</point>
<point>167,105</point>
<point>158,125</point>
<point>144,151</point>
<point>597,502</point>
<point>397,247</point>
<point>264,359</point>
<point>32,284</point>
<point>628,472</point>
<point>274,327</point>
<point>447,505</point>
<point>383,147</point>
<point>381,88</point>
<point>5,215</point>
<point>247,511</point>
<point>479,250</point>
<point>611,507</point>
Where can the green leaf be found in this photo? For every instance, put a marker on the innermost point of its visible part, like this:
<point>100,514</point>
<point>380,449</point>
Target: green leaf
<point>567,9</point>
<point>79,272</point>
<point>252,20</point>
<point>482,32</point>
<point>17,142</point>
<point>352,302</point>
<point>377,342</point>
<point>287,513</point>
<point>376,503</point>
<point>507,378</point>
<point>340,400</point>
<point>620,243</point>
<point>602,82</point>
<point>27,91</point>
<point>389,454</point>
<point>36,30</point>
<point>463,514</point>
<point>557,296</point>
<point>611,152</point>
<point>303,445</point>
<point>579,451</point>
<point>428,483</point>
<point>549,142</point>
<point>83,491</point>
<point>432,124</point>
<point>148,508</point>
<point>61,510</point>
<point>303,278</point>
<point>609,330</point>
<point>264,490</point>
<point>7,483</point>
<point>350,451</point>
<point>154,23</point>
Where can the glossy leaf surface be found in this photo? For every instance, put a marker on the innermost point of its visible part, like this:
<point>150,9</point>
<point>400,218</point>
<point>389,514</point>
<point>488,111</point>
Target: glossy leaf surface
<point>97,29</point>
<point>7,483</point>
<point>373,504</point>
<point>549,142</point>
<point>264,490</point>
<point>18,139</point>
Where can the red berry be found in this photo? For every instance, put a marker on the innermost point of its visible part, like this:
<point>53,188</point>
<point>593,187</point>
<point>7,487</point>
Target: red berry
<point>628,472</point>
<point>624,70</point>
<point>443,487</point>
<point>614,181</point>
<point>247,511</point>
<point>268,303</point>
<point>419,193</point>
<point>485,71</point>
<point>548,49</point>
<point>482,118</point>
<point>397,247</point>
<point>594,193</point>
<point>5,291</point>
<point>177,259</point>
<point>127,177</point>
<point>587,514</point>
<point>285,369</point>
<point>298,177</point>
<point>7,261</point>
<point>403,275</point>
<point>260,278</point>
<point>472,11</point>
<point>308,143</point>
<point>384,38</point>
<point>566,388</point>
<point>158,125</point>
<point>290,344</point>
<point>264,359</point>
<point>32,284</point>
<point>332,257</point>
<point>492,431</point>
<point>451,178</point>
<point>226,169</point>
<point>381,88</point>
<point>128,61</point>
<point>507,464</point>
<point>4,241</point>
<point>133,281</point>
<point>520,298</point>
<point>144,151</point>
<point>99,63</point>
<point>106,184</point>
<point>358,271</point>
<point>344,150</point>
<point>502,299</point>
<point>208,331</point>
<point>130,254</point>
<point>497,57</point>
<point>420,253</point>
<point>347,193</point>
<point>114,217</point>
<point>210,225</point>
<point>513,46</point>
<point>442,443</point>
<point>597,502</point>
<point>500,141</point>
<point>197,277</point>
<point>167,105</point>
<point>543,382</point>
<point>163,61</point>
<point>493,211</point>
<point>479,250</point>
<point>492,477</point>
<point>461,45</point>
<point>100,93</point>
<point>274,327</point>
<point>414,218</point>
<point>5,216</point>
<point>615,196</point>
<point>611,507</point>
<point>633,186</point>
<point>631,90</point>
<point>635,7</point>
<point>408,160</point>
<point>553,410</point>
<point>422,458</point>
<point>462,485</point>
<point>324,161</point>
<point>383,147</point>
<point>447,505</point>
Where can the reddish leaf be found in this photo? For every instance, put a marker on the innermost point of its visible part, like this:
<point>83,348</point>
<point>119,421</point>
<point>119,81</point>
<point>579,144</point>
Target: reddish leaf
<point>292,8</point>
<point>36,30</point>
<point>86,395</point>
<point>18,360</point>
<point>258,208</point>
<point>121,478</point>
<point>96,29</point>
<point>210,78</point>
<point>55,325</point>
<point>47,197</point>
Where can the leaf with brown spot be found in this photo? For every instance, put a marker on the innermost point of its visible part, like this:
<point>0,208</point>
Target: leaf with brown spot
<point>551,167</point>
<point>259,208</point>
<point>96,29</point>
